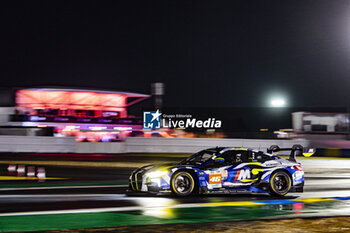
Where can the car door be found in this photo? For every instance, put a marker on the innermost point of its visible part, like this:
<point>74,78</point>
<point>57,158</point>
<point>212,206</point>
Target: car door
<point>242,170</point>
<point>217,170</point>
<point>221,171</point>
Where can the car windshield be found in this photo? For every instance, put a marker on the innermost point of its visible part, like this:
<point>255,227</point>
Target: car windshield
<point>199,158</point>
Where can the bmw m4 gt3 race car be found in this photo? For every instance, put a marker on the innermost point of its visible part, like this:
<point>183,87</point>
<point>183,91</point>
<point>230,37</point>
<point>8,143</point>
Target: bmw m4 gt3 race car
<point>225,170</point>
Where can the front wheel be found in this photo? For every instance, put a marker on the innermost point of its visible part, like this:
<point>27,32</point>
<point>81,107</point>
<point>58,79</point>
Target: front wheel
<point>182,184</point>
<point>280,183</point>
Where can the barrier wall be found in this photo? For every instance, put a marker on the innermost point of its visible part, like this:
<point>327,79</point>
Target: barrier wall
<point>191,145</point>
<point>131,145</point>
<point>37,144</point>
<point>100,147</point>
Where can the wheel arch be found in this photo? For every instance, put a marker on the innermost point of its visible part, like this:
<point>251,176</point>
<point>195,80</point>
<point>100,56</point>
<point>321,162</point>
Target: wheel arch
<point>192,172</point>
<point>284,170</point>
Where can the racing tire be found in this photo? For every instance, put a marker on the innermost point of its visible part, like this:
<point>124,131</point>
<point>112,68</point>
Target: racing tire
<point>280,183</point>
<point>182,184</point>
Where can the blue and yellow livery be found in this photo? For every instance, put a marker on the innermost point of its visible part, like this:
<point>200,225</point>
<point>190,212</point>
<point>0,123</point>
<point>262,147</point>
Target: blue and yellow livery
<point>225,170</point>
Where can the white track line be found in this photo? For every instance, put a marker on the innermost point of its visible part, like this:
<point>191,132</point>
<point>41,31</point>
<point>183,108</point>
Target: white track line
<point>76,211</point>
<point>59,195</point>
<point>100,210</point>
<point>120,209</point>
<point>64,187</point>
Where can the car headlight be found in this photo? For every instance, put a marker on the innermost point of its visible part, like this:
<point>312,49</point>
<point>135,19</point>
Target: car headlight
<point>156,174</point>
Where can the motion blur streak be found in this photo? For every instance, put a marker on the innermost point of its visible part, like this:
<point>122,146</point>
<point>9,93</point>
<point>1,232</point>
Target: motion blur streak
<point>99,193</point>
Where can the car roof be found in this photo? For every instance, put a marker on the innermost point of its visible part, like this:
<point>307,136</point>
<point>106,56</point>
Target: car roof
<point>216,149</point>
<point>242,148</point>
<point>224,149</point>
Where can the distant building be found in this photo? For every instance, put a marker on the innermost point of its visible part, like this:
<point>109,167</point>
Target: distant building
<point>320,122</point>
<point>91,115</point>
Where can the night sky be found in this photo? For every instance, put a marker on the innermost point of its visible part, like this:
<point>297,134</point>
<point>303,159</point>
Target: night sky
<point>208,53</point>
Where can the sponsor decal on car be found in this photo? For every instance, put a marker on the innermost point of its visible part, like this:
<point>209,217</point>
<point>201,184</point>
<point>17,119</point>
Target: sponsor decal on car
<point>298,177</point>
<point>224,174</point>
<point>215,179</point>
<point>242,174</point>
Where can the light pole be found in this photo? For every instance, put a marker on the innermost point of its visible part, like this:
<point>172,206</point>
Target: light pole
<point>158,92</point>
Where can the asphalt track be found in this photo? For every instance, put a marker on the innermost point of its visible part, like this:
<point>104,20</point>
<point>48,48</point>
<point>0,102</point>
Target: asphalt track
<point>95,196</point>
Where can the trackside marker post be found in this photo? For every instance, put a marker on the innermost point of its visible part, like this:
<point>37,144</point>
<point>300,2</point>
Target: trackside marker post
<point>11,169</point>
<point>31,172</point>
<point>21,169</point>
<point>41,174</point>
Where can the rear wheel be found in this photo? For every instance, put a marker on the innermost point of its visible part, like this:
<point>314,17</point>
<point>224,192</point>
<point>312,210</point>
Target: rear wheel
<point>182,184</point>
<point>280,183</point>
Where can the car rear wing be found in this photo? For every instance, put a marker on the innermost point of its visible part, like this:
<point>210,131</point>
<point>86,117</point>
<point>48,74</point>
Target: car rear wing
<point>296,150</point>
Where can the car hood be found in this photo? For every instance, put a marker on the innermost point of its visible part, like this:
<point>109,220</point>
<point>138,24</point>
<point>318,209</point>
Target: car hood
<point>162,166</point>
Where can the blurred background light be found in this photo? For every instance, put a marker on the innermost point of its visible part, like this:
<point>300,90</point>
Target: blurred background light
<point>278,102</point>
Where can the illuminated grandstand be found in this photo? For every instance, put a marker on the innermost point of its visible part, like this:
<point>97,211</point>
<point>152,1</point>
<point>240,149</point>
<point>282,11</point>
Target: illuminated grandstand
<point>91,115</point>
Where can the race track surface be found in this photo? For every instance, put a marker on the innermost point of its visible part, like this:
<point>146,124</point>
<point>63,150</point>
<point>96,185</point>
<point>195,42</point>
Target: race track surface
<point>95,196</point>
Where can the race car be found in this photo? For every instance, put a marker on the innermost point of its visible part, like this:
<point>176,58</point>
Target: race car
<point>225,170</point>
